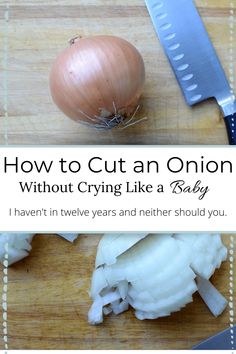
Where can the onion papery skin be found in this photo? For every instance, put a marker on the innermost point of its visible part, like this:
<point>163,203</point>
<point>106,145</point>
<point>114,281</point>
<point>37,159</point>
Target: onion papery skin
<point>98,80</point>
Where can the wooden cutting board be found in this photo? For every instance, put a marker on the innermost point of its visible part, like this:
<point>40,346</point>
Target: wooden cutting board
<point>38,30</point>
<point>48,303</point>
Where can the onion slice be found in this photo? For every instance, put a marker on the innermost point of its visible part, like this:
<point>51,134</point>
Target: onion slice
<point>214,300</point>
<point>112,246</point>
<point>95,315</point>
<point>19,245</point>
<point>69,237</point>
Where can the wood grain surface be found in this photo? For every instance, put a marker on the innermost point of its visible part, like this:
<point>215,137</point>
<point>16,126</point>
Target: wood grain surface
<point>38,30</point>
<point>48,303</point>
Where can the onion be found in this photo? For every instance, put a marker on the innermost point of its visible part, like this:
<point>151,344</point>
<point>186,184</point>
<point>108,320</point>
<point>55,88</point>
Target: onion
<point>19,245</point>
<point>98,80</point>
<point>215,301</point>
<point>155,274</point>
<point>106,254</point>
<point>68,237</point>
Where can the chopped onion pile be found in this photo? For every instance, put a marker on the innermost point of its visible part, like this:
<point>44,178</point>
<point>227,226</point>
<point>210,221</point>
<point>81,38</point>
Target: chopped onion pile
<point>155,274</point>
<point>19,245</point>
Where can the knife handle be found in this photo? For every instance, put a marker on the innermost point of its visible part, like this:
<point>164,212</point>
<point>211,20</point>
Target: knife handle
<point>230,122</point>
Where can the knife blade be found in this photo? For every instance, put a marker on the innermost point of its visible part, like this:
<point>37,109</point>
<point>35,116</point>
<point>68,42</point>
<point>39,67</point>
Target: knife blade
<point>192,56</point>
<point>221,341</point>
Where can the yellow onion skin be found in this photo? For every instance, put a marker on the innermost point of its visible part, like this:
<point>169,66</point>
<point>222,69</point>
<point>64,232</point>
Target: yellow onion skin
<point>98,80</point>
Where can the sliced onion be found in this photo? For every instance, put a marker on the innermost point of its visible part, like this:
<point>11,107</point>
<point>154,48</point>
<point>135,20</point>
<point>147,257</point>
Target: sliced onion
<point>95,315</point>
<point>156,274</point>
<point>214,300</point>
<point>19,245</point>
<point>69,237</point>
<point>112,246</point>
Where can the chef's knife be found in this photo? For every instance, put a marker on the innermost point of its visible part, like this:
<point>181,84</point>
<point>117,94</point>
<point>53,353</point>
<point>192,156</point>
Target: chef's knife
<point>193,57</point>
<point>221,341</point>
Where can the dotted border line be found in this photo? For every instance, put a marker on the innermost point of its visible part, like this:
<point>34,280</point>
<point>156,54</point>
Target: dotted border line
<point>4,297</point>
<point>5,72</point>
<point>232,238</point>
<point>231,46</point>
<point>231,292</point>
